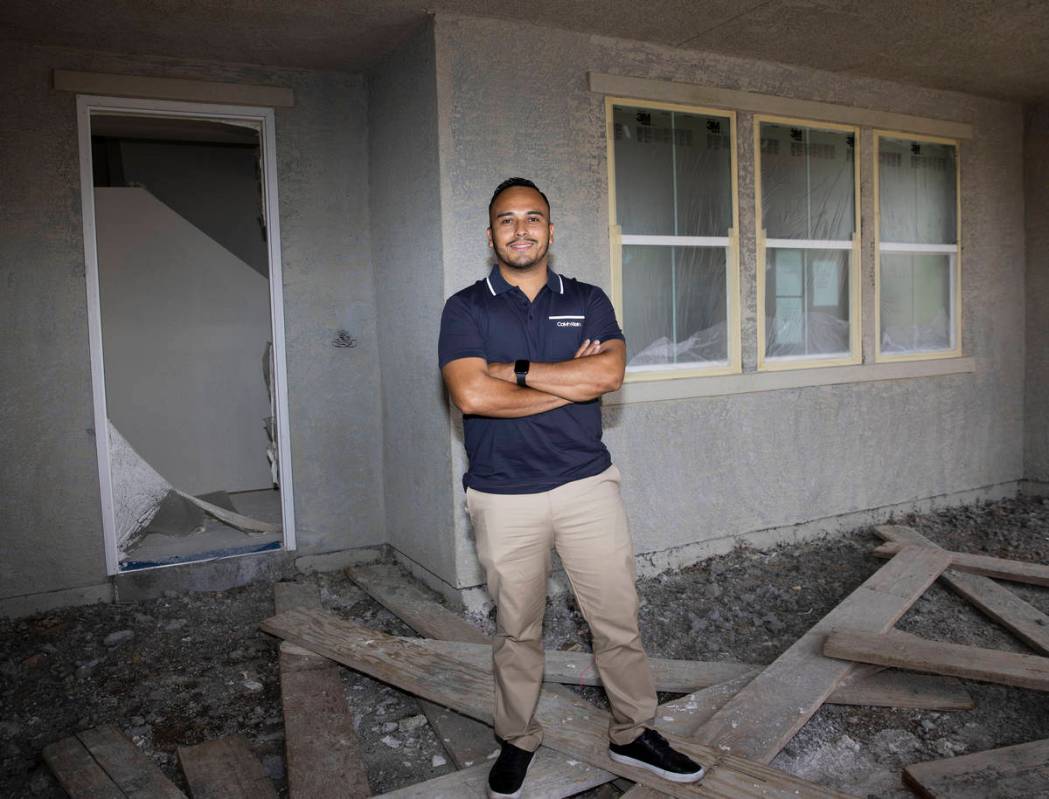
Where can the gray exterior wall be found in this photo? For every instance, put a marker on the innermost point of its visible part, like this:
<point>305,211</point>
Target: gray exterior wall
<point>1036,184</point>
<point>409,280</point>
<point>50,513</point>
<point>703,469</point>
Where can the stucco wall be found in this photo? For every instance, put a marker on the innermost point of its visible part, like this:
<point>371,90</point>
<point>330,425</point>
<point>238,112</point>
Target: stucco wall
<point>701,469</point>
<point>409,288</point>
<point>1036,184</point>
<point>50,514</point>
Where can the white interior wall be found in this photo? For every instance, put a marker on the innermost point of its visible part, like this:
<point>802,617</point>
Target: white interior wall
<point>184,328</point>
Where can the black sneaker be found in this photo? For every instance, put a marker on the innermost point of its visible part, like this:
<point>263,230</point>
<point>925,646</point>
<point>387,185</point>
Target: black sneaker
<point>650,750</point>
<point>508,773</point>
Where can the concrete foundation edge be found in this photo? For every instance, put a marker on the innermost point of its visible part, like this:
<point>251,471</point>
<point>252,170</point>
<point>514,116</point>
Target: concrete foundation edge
<point>18,606</point>
<point>1034,488</point>
<point>474,598</point>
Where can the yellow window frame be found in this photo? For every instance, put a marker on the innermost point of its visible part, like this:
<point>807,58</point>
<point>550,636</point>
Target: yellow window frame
<point>855,355</point>
<point>732,277</point>
<point>956,322</point>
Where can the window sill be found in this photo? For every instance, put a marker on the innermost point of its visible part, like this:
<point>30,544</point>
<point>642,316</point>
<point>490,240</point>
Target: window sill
<point>715,386</point>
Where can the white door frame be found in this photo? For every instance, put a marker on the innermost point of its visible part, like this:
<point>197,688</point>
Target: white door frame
<point>262,118</point>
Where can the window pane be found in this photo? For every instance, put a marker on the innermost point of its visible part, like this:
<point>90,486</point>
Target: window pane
<point>674,304</point>
<point>917,189</point>
<point>673,172</point>
<point>915,302</point>
<point>807,183</point>
<point>806,302</point>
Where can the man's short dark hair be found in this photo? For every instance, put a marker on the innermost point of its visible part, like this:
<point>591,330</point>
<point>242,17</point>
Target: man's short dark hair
<point>510,183</point>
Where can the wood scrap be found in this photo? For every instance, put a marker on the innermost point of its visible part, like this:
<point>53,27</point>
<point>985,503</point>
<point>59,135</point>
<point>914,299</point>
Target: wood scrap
<point>970,662</point>
<point>130,773</point>
<point>762,717</point>
<point>322,751</point>
<point>1021,618</point>
<point>999,568</point>
<point>77,771</point>
<point>225,769</point>
<point>572,726</point>
<point>1012,772</point>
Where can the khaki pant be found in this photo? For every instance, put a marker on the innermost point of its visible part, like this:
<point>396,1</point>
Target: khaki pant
<point>585,521</point>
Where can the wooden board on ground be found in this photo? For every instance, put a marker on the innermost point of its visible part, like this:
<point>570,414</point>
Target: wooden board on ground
<point>224,769</point>
<point>1012,772</point>
<point>322,751</point>
<point>999,568</point>
<point>466,741</point>
<point>871,687</point>
<point>131,774</point>
<point>1021,618</point>
<point>550,776</point>
<point>78,773</point>
<point>905,651</point>
<point>572,726</point>
<point>759,720</point>
<point>413,606</point>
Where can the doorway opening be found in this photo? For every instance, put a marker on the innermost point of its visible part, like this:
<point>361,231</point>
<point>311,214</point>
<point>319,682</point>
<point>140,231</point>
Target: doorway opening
<point>182,246</point>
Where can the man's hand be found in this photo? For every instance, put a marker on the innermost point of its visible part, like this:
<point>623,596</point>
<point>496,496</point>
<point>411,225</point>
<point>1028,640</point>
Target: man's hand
<point>588,348</point>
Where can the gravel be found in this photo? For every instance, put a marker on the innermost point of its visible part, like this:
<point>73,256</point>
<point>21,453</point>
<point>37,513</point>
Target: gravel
<point>183,669</point>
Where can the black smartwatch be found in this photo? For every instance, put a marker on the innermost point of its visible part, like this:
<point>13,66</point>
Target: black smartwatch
<point>521,370</point>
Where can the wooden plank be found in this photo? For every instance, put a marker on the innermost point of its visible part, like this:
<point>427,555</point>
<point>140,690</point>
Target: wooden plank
<point>200,91</point>
<point>127,765</point>
<point>466,741</point>
<point>297,595</point>
<point>1021,618</point>
<point>970,662</point>
<point>999,568</point>
<point>413,605</point>
<point>1012,771</point>
<point>78,773</point>
<point>321,748</point>
<point>572,726</point>
<point>550,776</point>
<point>875,687</point>
<point>224,769</point>
<point>760,719</point>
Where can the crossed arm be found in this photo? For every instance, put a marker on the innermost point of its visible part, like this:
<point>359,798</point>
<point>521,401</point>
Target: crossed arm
<point>490,389</point>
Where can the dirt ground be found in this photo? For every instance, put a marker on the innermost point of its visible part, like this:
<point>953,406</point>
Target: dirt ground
<point>185,669</point>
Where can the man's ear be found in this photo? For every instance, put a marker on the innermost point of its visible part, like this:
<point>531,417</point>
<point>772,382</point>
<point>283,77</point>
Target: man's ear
<point>488,235</point>
<point>551,232</point>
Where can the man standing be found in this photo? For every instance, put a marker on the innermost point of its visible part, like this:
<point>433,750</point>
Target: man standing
<point>526,354</point>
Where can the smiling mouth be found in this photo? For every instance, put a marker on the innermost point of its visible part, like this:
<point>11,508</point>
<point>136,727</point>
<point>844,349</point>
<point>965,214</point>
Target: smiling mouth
<point>521,245</point>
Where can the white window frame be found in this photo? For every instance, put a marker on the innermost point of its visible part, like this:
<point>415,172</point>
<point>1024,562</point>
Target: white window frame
<point>734,363</point>
<point>953,250</point>
<point>263,118</point>
<point>855,355</point>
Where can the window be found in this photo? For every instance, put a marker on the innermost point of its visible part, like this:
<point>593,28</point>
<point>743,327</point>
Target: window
<point>918,295</point>
<point>808,243</point>
<point>673,233</point>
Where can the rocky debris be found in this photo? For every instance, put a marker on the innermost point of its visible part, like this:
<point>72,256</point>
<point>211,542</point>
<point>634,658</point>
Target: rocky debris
<point>182,676</point>
<point>113,639</point>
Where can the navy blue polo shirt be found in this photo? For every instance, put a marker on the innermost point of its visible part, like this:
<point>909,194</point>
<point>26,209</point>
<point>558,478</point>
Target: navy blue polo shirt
<point>493,320</point>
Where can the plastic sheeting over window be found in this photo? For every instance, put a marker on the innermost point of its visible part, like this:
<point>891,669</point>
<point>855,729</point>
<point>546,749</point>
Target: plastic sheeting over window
<point>674,207</point>
<point>808,214</point>
<point>918,245</point>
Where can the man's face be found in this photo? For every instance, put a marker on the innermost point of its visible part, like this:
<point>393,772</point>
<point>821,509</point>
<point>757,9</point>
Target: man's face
<point>520,229</point>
